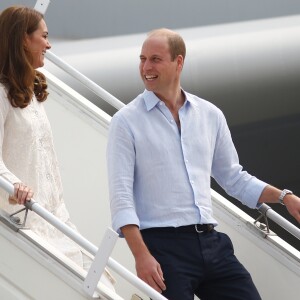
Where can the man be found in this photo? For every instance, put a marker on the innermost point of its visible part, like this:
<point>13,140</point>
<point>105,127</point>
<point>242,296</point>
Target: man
<point>163,148</point>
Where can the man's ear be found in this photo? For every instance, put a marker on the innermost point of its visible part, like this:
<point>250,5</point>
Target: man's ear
<point>180,61</point>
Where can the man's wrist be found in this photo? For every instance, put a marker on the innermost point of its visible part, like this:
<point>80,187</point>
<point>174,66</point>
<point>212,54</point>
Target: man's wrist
<point>283,194</point>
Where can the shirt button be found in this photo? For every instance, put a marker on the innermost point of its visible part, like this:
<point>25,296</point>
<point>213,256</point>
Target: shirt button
<point>192,181</point>
<point>186,161</point>
<point>171,121</point>
<point>48,176</point>
<point>161,103</point>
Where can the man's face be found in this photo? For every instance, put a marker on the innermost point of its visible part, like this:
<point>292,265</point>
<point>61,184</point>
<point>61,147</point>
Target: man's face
<point>158,72</point>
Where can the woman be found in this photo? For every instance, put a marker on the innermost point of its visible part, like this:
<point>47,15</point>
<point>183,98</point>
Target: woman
<point>27,158</point>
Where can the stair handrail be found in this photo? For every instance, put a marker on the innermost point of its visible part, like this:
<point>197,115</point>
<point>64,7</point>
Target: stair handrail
<point>99,91</point>
<point>84,243</point>
<point>267,211</point>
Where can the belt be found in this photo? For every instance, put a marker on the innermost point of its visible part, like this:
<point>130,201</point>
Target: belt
<point>199,228</point>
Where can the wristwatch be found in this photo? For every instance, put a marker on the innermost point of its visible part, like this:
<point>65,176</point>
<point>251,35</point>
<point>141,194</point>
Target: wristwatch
<point>282,195</point>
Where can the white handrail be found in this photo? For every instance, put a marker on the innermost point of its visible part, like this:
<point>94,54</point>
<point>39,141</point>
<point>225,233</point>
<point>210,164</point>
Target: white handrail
<point>277,218</point>
<point>84,243</point>
<point>106,96</point>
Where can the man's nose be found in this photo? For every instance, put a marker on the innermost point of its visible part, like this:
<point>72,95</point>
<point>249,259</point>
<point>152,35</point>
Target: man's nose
<point>147,65</point>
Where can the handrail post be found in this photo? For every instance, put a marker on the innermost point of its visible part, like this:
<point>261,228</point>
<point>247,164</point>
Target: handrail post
<point>277,218</point>
<point>100,261</point>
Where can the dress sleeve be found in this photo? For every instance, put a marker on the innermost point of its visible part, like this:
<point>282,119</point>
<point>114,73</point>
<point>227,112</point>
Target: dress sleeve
<point>4,109</point>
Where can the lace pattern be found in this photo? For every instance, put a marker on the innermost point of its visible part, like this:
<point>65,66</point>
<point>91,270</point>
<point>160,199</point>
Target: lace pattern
<point>27,155</point>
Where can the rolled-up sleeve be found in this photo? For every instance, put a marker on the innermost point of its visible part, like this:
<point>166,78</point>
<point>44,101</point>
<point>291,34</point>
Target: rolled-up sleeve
<point>120,164</point>
<point>228,172</point>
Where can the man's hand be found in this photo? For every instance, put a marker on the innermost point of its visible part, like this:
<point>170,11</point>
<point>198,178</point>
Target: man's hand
<point>149,270</point>
<point>292,203</point>
<point>270,194</point>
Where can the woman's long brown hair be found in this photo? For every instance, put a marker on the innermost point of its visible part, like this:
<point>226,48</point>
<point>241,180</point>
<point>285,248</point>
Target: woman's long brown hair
<point>16,71</point>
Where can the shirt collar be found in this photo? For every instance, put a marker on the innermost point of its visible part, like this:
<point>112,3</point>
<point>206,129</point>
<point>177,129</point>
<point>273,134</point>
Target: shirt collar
<point>190,99</point>
<point>151,100</point>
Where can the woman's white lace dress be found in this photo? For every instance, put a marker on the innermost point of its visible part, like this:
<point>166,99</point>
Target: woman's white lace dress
<point>27,155</point>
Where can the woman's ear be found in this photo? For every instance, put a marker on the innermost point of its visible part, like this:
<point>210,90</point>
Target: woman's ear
<point>26,41</point>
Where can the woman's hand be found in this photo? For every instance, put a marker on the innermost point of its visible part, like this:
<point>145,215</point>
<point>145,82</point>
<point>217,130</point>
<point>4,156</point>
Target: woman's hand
<point>22,193</point>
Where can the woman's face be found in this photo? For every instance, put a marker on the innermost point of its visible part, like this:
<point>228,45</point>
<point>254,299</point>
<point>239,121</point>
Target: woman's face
<point>37,44</point>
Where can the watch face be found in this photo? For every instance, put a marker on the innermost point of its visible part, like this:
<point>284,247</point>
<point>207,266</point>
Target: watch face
<point>282,195</point>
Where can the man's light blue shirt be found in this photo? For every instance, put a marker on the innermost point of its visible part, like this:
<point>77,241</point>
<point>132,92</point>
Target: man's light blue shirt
<point>159,175</point>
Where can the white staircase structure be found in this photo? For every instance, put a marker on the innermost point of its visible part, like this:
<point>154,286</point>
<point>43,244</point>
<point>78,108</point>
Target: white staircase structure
<point>30,269</point>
